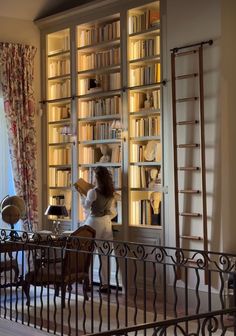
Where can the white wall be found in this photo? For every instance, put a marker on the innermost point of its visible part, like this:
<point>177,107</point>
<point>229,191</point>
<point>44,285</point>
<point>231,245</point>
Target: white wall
<point>228,125</point>
<point>187,22</point>
<point>26,32</point>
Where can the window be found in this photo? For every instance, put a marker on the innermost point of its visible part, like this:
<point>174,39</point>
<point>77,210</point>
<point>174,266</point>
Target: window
<point>6,177</point>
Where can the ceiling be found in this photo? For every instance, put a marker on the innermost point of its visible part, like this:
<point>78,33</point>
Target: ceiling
<point>35,9</point>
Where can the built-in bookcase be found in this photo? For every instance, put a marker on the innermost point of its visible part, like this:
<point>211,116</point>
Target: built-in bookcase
<point>99,100</point>
<point>59,119</point>
<point>104,108</point>
<point>144,65</point>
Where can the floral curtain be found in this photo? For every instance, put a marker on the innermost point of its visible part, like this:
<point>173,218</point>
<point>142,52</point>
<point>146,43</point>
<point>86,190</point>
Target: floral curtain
<point>16,66</point>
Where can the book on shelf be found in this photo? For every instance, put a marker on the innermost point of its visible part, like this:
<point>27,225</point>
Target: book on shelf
<point>116,154</point>
<point>153,18</point>
<point>143,214</point>
<point>142,177</point>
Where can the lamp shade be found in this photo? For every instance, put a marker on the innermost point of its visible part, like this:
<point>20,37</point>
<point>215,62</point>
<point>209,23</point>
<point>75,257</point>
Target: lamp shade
<point>56,210</point>
<point>116,125</point>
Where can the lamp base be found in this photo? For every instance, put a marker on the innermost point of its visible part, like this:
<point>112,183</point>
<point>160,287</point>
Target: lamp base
<point>56,227</point>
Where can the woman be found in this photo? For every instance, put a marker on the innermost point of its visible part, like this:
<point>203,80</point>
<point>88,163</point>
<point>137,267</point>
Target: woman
<point>98,205</point>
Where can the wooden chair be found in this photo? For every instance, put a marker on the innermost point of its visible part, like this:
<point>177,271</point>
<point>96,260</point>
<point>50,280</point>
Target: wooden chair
<point>8,265</point>
<point>63,272</point>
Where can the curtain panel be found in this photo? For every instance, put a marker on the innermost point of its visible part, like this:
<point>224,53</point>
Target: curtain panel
<point>16,66</point>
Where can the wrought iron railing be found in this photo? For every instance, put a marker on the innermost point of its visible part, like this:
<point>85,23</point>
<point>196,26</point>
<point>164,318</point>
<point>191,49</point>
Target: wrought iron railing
<point>151,289</point>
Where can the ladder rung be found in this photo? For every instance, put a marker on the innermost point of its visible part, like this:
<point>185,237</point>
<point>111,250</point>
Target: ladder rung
<point>187,122</point>
<point>186,76</point>
<point>190,214</point>
<point>189,168</point>
<point>181,100</point>
<point>185,191</point>
<point>188,145</point>
<point>185,53</point>
<point>191,237</point>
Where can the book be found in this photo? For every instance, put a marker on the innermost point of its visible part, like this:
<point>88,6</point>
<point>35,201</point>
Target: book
<point>82,186</point>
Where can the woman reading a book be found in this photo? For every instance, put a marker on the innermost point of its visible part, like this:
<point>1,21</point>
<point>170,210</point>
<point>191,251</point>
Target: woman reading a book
<point>98,204</point>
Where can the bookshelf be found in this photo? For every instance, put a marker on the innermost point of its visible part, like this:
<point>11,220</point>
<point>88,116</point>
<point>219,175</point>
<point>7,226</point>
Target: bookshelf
<point>59,119</point>
<point>144,68</point>
<point>99,100</point>
<point>103,107</point>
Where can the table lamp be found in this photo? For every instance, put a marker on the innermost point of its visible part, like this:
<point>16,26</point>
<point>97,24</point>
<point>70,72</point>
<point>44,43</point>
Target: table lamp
<point>58,211</point>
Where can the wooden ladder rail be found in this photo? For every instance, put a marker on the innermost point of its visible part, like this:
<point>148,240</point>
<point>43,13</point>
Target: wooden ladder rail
<point>201,146</point>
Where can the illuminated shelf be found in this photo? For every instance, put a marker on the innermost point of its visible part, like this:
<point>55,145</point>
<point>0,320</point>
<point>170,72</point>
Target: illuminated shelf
<point>102,117</point>
<point>144,163</point>
<point>98,46</point>
<point>96,142</point>
<point>93,165</point>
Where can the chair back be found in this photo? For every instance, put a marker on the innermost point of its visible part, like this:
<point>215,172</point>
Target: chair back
<point>79,248</point>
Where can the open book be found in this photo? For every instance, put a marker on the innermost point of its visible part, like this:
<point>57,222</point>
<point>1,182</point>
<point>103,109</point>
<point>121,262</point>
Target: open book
<point>82,186</point>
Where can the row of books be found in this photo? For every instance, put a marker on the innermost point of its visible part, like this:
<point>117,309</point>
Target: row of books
<point>141,213</point>
<point>99,59</point>
<point>143,177</point>
<point>59,177</point>
<point>57,134</point>
<point>145,75</point>
<point>144,100</point>
<point>149,126</point>
<point>88,175</point>
<point>106,82</point>
<point>100,107</point>
<point>58,67</point>
<point>90,155</point>
<point>98,131</point>
<point>144,48</point>
<point>97,34</point>
<point>59,89</point>
<point>62,43</point>
<point>141,20</point>
<point>138,152</point>
<point>60,156</point>
<point>59,112</point>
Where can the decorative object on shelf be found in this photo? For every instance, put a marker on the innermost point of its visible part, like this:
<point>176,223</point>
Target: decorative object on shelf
<point>13,209</point>
<point>148,103</point>
<point>116,129</point>
<point>150,151</point>
<point>94,83</point>
<point>105,154</point>
<point>153,178</point>
<point>59,211</point>
<point>82,186</point>
<point>155,201</point>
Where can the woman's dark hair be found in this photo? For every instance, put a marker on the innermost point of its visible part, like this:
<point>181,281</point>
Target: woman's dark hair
<point>104,181</point>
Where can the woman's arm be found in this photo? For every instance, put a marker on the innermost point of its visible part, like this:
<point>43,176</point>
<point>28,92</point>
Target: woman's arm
<point>87,201</point>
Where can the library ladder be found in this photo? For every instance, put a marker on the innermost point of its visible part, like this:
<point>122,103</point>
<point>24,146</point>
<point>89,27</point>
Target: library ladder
<point>189,144</point>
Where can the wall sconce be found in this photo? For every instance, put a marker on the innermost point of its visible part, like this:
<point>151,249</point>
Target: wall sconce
<point>59,211</point>
<point>116,129</point>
